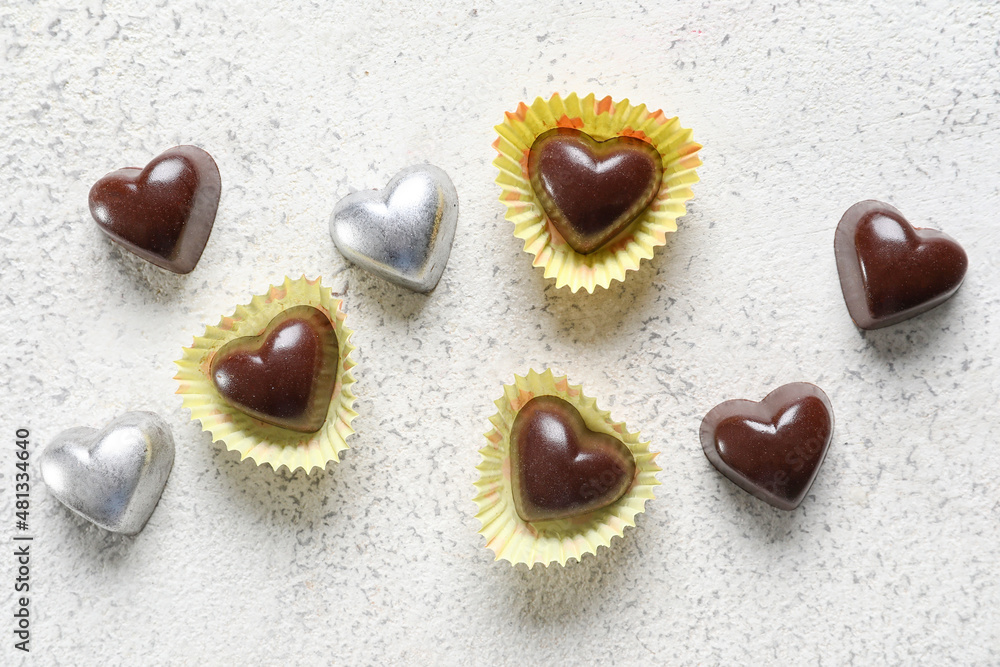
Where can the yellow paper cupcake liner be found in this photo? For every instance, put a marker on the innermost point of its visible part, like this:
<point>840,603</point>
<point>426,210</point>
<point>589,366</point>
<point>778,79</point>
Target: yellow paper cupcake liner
<point>518,541</point>
<point>259,441</point>
<point>601,119</point>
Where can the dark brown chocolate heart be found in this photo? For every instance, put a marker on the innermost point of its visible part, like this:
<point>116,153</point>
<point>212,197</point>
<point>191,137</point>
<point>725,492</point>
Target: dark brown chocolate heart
<point>592,190</point>
<point>163,213</point>
<point>772,449</point>
<point>890,271</point>
<point>559,467</point>
<point>286,375</point>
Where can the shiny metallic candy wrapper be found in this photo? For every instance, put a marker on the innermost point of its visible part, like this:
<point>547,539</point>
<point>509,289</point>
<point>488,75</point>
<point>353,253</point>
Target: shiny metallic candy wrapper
<point>402,233</point>
<point>113,477</point>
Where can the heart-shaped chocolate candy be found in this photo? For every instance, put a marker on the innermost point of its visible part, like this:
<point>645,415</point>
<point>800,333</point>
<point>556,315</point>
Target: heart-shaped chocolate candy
<point>286,375</point>
<point>163,213</point>
<point>403,233</point>
<point>890,271</point>
<point>113,477</point>
<point>559,467</point>
<point>592,190</point>
<point>772,449</point>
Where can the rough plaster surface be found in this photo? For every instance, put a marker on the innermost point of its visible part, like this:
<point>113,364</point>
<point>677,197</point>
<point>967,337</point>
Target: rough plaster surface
<point>803,109</point>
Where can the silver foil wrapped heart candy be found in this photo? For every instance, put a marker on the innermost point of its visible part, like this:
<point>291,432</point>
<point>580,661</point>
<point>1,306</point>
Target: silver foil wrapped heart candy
<point>402,233</point>
<point>113,477</point>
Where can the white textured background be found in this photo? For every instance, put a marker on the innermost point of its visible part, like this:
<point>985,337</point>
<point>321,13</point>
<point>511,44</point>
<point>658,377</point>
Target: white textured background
<point>803,109</point>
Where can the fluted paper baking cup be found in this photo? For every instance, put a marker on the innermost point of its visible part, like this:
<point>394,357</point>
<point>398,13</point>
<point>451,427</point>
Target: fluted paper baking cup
<point>512,538</point>
<point>602,120</point>
<point>259,441</point>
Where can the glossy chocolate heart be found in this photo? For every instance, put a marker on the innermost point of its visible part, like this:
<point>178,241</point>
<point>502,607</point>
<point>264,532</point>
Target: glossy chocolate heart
<point>163,213</point>
<point>286,375</point>
<point>592,190</point>
<point>559,467</point>
<point>890,271</point>
<point>772,449</point>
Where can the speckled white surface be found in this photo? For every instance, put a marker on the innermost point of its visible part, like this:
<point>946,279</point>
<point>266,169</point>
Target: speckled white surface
<point>803,109</point>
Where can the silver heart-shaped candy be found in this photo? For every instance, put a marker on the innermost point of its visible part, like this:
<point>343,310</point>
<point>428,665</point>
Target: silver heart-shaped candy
<point>402,233</point>
<point>113,477</point>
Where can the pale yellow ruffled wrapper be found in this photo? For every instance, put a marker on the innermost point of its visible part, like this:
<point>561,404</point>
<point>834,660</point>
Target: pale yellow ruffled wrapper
<point>602,120</point>
<point>518,541</point>
<point>252,438</point>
